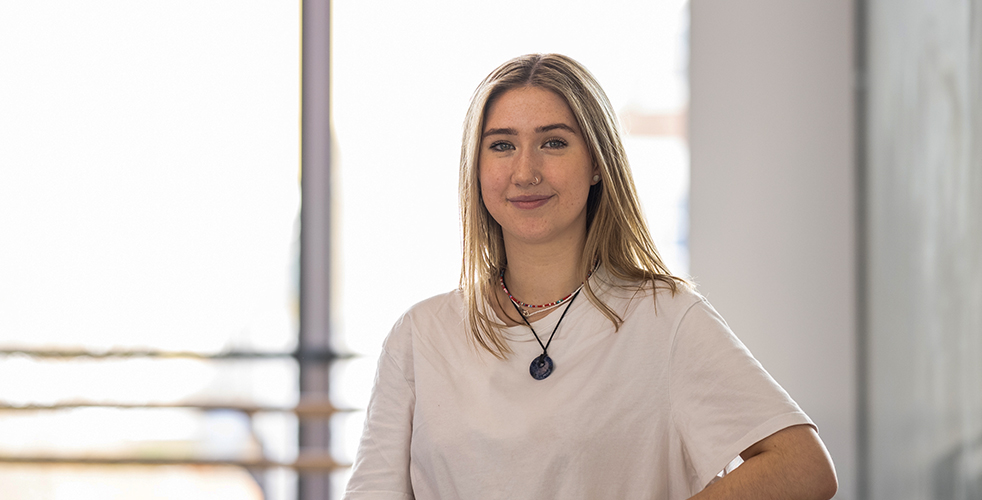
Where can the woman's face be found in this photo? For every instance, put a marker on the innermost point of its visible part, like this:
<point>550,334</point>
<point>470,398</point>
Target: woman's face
<point>535,169</point>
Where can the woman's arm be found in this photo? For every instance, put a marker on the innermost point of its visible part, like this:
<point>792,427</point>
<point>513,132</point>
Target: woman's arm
<point>381,468</point>
<point>789,464</point>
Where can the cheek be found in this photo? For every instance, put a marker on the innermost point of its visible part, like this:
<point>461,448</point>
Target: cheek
<point>490,184</point>
<point>491,199</point>
<point>487,193</point>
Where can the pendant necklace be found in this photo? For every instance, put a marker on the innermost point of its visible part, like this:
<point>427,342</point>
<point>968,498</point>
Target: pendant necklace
<point>542,365</point>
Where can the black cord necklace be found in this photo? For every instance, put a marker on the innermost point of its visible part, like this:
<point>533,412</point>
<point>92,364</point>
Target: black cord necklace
<point>542,365</point>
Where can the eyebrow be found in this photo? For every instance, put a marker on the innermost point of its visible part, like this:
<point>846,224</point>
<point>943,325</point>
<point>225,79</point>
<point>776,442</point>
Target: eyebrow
<point>538,130</point>
<point>554,126</point>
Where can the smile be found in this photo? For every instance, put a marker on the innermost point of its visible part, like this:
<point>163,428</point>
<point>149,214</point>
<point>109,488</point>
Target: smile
<point>528,202</point>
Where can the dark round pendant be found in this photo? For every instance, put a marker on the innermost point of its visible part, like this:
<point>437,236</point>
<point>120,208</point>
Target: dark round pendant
<point>541,367</point>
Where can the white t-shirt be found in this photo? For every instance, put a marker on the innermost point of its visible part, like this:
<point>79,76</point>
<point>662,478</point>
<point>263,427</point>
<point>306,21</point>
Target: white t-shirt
<point>653,410</point>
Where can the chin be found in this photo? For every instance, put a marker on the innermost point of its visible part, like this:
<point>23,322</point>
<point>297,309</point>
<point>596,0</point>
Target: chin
<point>541,237</point>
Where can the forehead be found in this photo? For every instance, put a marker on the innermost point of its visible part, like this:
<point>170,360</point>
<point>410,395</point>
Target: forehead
<point>531,106</point>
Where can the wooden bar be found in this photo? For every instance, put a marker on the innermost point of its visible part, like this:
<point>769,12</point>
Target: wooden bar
<point>304,463</point>
<point>306,408</point>
<point>305,354</point>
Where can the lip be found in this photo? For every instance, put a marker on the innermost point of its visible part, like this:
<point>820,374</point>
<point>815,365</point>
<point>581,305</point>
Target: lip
<point>529,201</point>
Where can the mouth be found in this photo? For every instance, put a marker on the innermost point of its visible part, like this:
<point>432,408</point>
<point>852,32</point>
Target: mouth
<point>528,202</point>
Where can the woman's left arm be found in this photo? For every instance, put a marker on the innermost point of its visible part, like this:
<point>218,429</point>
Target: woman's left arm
<point>790,464</point>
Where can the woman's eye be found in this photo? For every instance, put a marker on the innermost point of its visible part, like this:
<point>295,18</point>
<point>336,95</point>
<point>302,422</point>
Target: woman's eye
<point>501,146</point>
<point>555,143</point>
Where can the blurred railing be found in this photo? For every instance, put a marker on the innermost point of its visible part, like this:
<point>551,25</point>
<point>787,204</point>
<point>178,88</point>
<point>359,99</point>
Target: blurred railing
<point>309,407</point>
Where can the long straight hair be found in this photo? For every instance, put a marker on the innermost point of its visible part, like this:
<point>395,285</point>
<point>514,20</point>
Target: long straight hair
<point>617,236</point>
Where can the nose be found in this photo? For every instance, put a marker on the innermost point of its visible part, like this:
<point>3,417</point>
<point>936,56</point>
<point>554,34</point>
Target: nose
<point>526,172</point>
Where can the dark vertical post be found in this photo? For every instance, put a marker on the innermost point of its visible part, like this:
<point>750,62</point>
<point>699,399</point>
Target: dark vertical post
<point>862,256</point>
<point>315,230</point>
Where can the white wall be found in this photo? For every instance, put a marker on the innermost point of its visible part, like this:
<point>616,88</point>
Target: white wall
<point>773,204</point>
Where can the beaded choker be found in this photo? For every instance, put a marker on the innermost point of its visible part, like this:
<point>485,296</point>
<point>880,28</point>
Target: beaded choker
<point>529,310</point>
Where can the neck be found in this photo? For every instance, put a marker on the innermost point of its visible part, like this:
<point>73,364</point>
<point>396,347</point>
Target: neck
<point>538,274</point>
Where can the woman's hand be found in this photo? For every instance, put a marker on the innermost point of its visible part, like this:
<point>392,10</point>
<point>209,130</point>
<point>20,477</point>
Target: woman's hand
<point>789,464</point>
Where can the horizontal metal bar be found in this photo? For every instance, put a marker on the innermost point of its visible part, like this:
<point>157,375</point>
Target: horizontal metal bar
<point>304,463</point>
<point>303,355</point>
<point>306,408</point>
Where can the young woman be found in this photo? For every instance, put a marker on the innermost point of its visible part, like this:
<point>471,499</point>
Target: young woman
<point>570,363</point>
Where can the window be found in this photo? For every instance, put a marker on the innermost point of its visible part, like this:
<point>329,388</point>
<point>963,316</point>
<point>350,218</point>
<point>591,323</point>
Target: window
<point>149,203</point>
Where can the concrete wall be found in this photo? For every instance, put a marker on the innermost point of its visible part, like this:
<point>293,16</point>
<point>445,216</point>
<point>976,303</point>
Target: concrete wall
<point>773,205</point>
<point>924,163</point>
<point>855,278</point>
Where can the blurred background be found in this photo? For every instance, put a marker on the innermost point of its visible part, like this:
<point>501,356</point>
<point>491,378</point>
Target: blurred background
<point>212,212</point>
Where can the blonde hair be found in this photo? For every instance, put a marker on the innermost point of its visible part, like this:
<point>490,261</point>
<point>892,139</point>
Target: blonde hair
<point>617,236</point>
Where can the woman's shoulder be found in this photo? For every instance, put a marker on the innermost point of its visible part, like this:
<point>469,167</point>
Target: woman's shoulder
<point>667,301</point>
<point>665,295</point>
<point>438,303</point>
<point>441,308</point>
<point>426,314</point>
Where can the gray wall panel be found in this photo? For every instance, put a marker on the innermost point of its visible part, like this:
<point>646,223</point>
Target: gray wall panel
<point>773,211</point>
<point>924,179</point>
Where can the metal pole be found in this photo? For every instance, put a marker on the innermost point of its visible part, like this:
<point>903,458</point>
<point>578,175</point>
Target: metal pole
<point>315,225</point>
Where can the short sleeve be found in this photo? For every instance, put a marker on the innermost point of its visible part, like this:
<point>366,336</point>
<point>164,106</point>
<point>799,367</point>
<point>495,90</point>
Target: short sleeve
<point>723,401</point>
<point>381,468</point>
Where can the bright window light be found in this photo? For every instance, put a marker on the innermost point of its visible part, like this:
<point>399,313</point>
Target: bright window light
<point>149,197</point>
